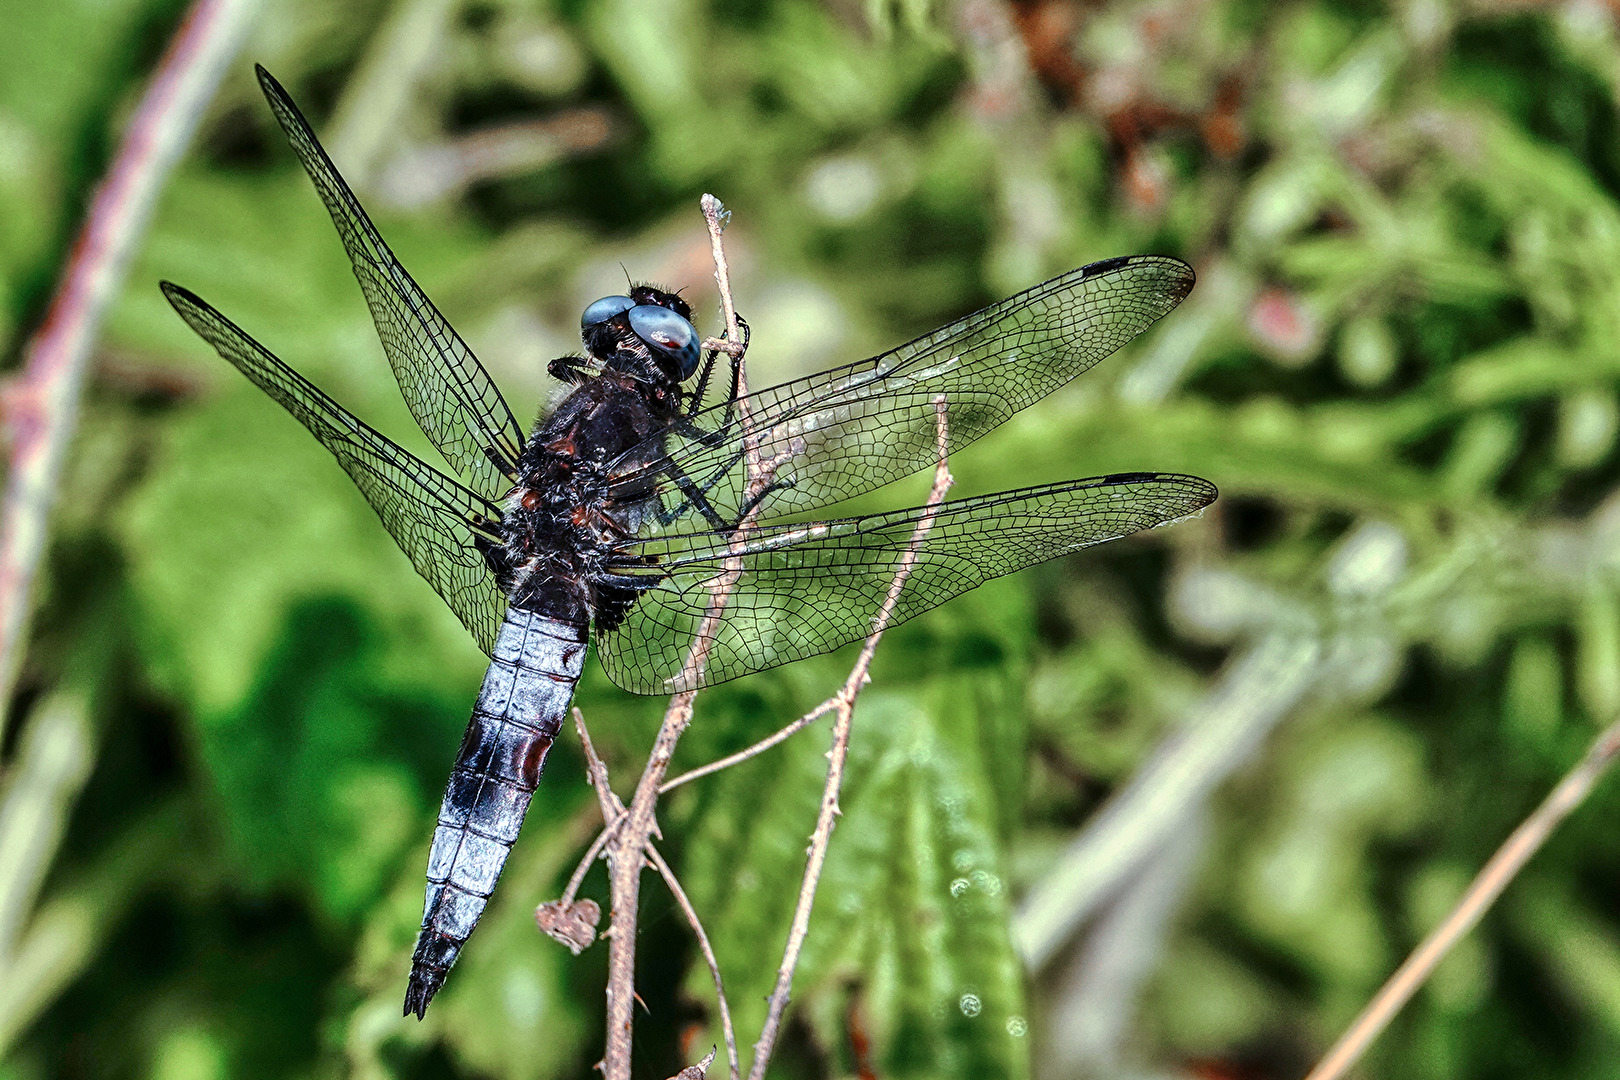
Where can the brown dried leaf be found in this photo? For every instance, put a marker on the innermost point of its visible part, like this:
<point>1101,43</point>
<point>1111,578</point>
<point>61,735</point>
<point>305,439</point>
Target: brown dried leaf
<point>573,925</point>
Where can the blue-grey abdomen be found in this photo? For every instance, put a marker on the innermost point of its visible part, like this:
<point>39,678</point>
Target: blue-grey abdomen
<point>519,711</point>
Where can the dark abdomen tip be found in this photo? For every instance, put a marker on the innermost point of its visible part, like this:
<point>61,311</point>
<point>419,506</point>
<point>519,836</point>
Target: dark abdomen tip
<point>425,982</point>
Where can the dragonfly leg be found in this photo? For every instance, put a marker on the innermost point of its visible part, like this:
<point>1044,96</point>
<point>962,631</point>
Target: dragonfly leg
<point>761,495</point>
<point>696,497</point>
<point>567,369</point>
<point>692,431</point>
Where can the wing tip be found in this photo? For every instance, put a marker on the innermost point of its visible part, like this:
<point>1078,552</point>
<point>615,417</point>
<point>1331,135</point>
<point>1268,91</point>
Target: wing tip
<point>269,83</point>
<point>187,304</point>
<point>1185,276</point>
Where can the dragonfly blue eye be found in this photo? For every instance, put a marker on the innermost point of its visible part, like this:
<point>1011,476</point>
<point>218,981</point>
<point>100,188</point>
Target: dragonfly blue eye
<point>667,333</point>
<point>604,309</point>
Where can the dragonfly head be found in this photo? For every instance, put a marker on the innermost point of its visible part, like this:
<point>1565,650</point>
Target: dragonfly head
<point>659,322</point>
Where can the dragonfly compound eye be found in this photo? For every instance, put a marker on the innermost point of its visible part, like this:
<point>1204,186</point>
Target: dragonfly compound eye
<point>666,333</point>
<point>603,310</point>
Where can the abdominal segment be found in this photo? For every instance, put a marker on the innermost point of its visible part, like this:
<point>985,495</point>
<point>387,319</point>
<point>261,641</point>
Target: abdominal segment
<point>520,709</point>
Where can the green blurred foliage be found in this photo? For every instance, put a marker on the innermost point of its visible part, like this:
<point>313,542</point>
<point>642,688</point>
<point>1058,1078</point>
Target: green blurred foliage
<point>1399,366</point>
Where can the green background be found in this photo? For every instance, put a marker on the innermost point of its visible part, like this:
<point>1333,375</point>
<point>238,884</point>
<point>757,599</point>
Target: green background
<point>1346,682</point>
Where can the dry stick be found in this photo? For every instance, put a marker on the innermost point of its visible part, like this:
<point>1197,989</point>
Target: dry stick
<point>625,850</point>
<point>612,812</point>
<point>42,404</point>
<point>612,815</point>
<point>782,735</point>
<point>596,771</point>
<point>1509,859</point>
<point>845,710</point>
<point>708,954</point>
<point>576,879</point>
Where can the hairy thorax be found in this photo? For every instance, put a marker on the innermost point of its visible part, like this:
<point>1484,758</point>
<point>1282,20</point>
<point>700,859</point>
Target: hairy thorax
<point>558,522</point>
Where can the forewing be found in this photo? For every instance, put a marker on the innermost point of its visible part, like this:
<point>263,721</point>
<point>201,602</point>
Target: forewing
<point>448,391</point>
<point>809,588</point>
<point>431,517</point>
<point>839,433</point>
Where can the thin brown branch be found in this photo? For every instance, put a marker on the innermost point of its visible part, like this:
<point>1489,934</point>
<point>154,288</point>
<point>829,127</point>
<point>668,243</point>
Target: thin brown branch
<point>42,405</point>
<point>845,714</point>
<point>590,856</point>
<point>708,954</point>
<point>612,808</point>
<point>1482,892</point>
<point>716,216</point>
<point>781,735</point>
<point>625,850</point>
<point>613,814</point>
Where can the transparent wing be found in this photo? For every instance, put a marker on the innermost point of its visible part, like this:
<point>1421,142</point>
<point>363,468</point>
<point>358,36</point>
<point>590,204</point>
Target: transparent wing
<point>447,389</point>
<point>809,588</point>
<point>435,520</point>
<point>842,432</point>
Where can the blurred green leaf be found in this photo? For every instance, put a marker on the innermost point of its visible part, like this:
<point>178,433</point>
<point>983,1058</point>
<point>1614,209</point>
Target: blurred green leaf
<point>910,929</point>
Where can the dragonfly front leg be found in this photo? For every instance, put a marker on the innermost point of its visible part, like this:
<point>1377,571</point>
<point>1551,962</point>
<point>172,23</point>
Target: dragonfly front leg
<point>568,369</point>
<point>714,435</point>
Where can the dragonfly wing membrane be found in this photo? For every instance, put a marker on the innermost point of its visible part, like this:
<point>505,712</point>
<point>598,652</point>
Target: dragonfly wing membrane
<point>809,588</point>
<point>452,397</point>
<point>839,433</point>
<point>433,519</point>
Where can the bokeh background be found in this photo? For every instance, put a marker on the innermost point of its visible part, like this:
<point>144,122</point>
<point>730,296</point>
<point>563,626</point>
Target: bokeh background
<point>1316,710</point>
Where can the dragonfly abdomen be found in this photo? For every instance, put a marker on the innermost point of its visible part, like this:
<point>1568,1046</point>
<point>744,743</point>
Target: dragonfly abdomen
<point>519,711</point>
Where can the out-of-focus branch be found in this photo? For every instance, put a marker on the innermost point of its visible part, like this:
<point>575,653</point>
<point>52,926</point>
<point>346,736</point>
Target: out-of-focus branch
<point>1256,691</point>
<point>368,113</point>
<point>844,710</point>
<point>419,175</point>
<point>41,406</point>
<point>51,767</point>
<point>1482,892</point>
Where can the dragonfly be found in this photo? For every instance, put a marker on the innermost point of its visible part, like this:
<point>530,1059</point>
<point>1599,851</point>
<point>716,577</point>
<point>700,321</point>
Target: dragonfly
<point>616,518</point>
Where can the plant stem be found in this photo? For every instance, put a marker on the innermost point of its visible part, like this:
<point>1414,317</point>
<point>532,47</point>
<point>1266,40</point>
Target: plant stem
<point>42,404</point>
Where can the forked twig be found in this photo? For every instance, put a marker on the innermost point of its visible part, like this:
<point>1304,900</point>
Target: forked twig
<point>844,707</point>
<point>1509,859</point>
<point>42,404</point>
<point>612,816</point>
<point>629,846</point>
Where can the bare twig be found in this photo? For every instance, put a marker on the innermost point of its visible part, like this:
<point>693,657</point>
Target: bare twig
<point>42,405</point>
<point>612,808</point>
<point>708,954</point>
<point>625,850</point>
<point>590,856</point>
<point>612,811</point>
<point>1509,859</point>
<point>696,1072</point>
<point>782,735</point>
<point>561,912</point>
<point>716,216</point>
<point>574,924</point>
<point>844,710</point>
